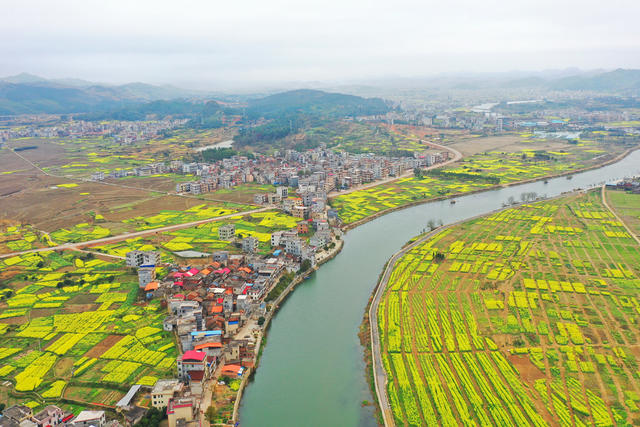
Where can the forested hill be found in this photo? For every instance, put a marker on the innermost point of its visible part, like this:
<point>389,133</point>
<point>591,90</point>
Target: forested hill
<point>28,94</point>
<point>315,102</point>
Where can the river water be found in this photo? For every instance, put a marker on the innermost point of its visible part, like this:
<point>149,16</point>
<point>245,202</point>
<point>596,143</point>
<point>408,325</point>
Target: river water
<point>312,370</point>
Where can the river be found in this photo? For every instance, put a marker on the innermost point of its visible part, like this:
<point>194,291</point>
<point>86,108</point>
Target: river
<point>312,370</point>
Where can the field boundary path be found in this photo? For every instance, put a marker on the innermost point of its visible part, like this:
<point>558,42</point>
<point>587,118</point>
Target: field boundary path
<point>604,201</point>
<point>112,239</point>
<point>456,156</point>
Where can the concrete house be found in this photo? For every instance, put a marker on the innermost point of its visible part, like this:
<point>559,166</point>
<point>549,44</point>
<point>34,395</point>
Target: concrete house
<point>227,232</point>
<point>165,390</point>
<point>138,258</point>
<point>89,418</point>
<point>250,245</point>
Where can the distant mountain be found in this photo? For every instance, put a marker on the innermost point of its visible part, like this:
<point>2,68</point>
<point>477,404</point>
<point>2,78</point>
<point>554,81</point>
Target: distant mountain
<point>614,81</point>
<point>23,78</point>
<point>29,94</point>
<point>315,102</point>
<point>619,81</point>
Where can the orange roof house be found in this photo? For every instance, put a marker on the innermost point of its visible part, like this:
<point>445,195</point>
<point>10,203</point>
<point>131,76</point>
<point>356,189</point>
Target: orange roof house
<point>151,286</point>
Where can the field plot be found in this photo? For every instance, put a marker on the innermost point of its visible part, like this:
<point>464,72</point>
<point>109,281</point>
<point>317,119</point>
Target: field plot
<point>80,157</point>
<point>525,317</point>
<point>204,237</point>
<point>477,172</point>
<point>627,206</point>
<point>366,138</point>
<point>16,238</point>
<point>69,320</point>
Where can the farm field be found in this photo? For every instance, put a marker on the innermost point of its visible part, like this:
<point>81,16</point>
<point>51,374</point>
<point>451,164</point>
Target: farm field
<point>627,206</point>
<point>16,238</point>
<point>80,157</point>
<point>365,138</point>
<point>143,214</point>
<point>204,237</point>
<point>70,320</point>
<point>524,317</point>
<point>480,171</point>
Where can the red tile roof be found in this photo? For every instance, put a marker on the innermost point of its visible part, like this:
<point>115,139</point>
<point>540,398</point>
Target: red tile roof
<point>194,355</point>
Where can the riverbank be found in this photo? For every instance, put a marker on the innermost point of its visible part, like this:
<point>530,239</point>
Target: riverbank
<point>362,221</point>
<point>275,305</point>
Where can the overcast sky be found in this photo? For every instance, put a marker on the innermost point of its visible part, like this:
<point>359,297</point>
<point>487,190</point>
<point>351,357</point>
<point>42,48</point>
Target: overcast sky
<point>249,42</point>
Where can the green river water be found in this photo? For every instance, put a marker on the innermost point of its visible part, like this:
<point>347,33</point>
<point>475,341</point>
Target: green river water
<point>312,370</point>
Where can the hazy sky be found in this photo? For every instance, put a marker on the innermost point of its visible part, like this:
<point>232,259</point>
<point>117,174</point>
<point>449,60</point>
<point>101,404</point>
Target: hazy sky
<point>217,42</point>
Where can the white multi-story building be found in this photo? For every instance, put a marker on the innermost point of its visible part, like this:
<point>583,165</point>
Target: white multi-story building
<point>138,258</point>
<point>283,192</point>
<point>227,232</point>
<point>250,244</point>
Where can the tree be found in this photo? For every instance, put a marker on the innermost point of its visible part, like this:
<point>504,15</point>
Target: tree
<point>211,414</point>
<point>306,264</point>
<point>152,418</point>
<point>261,320</point>
<point>418,173</point>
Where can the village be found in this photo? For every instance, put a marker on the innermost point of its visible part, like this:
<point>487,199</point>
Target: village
<point>314,172</point>
<point>217,311</point>
<point>122,132</point>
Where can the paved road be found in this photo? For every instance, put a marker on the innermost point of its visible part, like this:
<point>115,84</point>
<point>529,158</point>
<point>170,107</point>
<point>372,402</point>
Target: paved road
<point>125,236</point>
<point>604,201</point>
<point>456,156</point>
<point>379,374</point>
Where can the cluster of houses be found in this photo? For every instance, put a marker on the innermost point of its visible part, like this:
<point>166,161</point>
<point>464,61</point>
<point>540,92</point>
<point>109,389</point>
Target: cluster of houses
<point>123,132</point>
<point>325,169</point>
<point>215,310</point>
<point>23,416</point>
<point>631,185</point>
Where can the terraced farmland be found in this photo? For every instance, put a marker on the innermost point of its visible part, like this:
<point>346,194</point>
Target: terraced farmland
<point>525,317</point>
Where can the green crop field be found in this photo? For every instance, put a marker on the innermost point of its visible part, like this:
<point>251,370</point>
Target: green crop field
<point>204,237</point>
<point>477,172</point>
<point>16,238</point>
<point>69,320</point>
<point>525,317</point>
<point>627,206</point>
